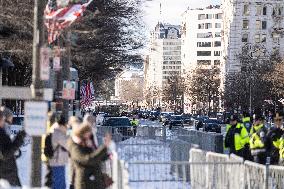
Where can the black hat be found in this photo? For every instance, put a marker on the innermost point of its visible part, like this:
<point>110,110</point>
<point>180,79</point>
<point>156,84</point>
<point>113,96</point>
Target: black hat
<point>234,117</point>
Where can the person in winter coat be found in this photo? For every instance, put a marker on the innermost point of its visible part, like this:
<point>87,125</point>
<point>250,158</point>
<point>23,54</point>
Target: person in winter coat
<point>8,148</point>
<point>274,139</point>
<point>258,140</point>
<point>60,157</point>
<point>236,137</point>
<point>86,159</point>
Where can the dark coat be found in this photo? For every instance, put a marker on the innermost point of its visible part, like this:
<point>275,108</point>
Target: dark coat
<point>8,166</point>
<point>87,164</point>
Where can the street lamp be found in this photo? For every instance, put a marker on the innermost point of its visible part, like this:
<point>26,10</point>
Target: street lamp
<point>4,63</point>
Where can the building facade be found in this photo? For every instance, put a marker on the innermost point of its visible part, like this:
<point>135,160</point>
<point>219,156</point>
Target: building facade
<point>201,44</point>
<point>255,22</point>
<point>201,38</point>
<point>164,60</point>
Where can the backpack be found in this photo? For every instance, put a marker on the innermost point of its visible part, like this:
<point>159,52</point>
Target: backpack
<point>48,148</point>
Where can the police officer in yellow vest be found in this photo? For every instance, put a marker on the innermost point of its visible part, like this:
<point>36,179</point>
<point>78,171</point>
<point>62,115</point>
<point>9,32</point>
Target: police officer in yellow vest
<point>258,140</point>
<point>273,137</point>
<point>236,136</point>
<point>134,122</point>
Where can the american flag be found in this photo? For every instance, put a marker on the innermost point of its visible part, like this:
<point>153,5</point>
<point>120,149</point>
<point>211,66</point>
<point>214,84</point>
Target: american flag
<point>87,94</point>
<point>58,18</point>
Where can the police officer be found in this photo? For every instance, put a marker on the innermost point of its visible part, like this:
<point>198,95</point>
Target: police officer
<point>135,124</point>
<point>247,121</point>
<point>236,137</point>
<point>273,138</point>
<point>258,140</point>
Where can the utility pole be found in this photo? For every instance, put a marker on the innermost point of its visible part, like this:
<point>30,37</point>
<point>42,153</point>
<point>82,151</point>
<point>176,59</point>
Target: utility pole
<point>37,87</point>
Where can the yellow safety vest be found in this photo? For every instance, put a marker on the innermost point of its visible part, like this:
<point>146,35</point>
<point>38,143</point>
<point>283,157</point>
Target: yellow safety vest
<point>255,140</point>
<point>240,139</point>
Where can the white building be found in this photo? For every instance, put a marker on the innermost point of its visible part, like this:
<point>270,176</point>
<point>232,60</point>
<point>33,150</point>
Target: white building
<point>201,42</point>
<point>129,84</point>
<point>201,38</point>
<point>249,23</point>
<point>164,59</point>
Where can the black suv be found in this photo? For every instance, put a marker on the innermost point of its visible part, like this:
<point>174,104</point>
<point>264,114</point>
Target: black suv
<point>120,124</point>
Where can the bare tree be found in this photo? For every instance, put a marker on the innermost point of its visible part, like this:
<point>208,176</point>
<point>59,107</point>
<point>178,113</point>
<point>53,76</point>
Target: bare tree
<point>173,92</point>
<point>130,90</point>
<point>248,89</point>
<point>203,85</point>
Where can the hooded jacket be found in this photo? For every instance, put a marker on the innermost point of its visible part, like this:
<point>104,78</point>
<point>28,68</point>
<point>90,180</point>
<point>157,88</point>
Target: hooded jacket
<point>8,147</point>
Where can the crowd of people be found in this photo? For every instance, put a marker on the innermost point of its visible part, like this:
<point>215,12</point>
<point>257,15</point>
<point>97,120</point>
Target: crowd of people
<point>69,144</point>
<point>254,140</point>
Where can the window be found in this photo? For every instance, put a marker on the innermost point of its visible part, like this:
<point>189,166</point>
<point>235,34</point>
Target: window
<point>246,10</point>
<point>208,25</point>
<point>217,62</point>
<point>217,44</point>
<point>201,16</point>
<point>263,38</point>
<point>218,34</point>
<point>164,67</point>
<point>203,62</point>
<point>201,26</point>
<point>203,53</point>
<point>263,25</point>
<point>165,62</point>
<point>218,16</point>
<point>204,35</point>
<point>217,53</point>
<point>257,38</point>
<point>208,16</point>
<point>264,10</point>
<point>275,38</point>
<point>245,24</point>
<point>203,44</point>
<point>258,24</point>
<point>217,25</point>
<point>245,38</point>
<point>258,10</point>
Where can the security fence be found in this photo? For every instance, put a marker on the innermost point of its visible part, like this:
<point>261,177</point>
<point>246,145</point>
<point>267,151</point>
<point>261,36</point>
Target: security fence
<point>204,140</point>
<point>222,171</point>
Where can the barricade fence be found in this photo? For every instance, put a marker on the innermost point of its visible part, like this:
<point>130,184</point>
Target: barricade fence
<point>224,171</point>
<point>204,140</point>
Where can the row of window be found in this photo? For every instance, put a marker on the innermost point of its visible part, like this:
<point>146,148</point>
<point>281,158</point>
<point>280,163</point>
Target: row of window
<point>208,35</point>
<point>171,43</point>
<point>258,24</point>
<point>258,38</point>
<point>208,53</point>
<point>171,72</point>
<point>208,62</point>
<point>171,53</point>
<point>208,44</point>
<point>172,62</point>
<point>209,16</point>
<point>171,57</point>
<point>172,48</point>
<point>208,25</point>
<point>262,10</point>
<point>171,67</point>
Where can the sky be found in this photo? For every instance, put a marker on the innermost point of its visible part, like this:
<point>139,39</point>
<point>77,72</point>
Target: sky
<point>171,10</point>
